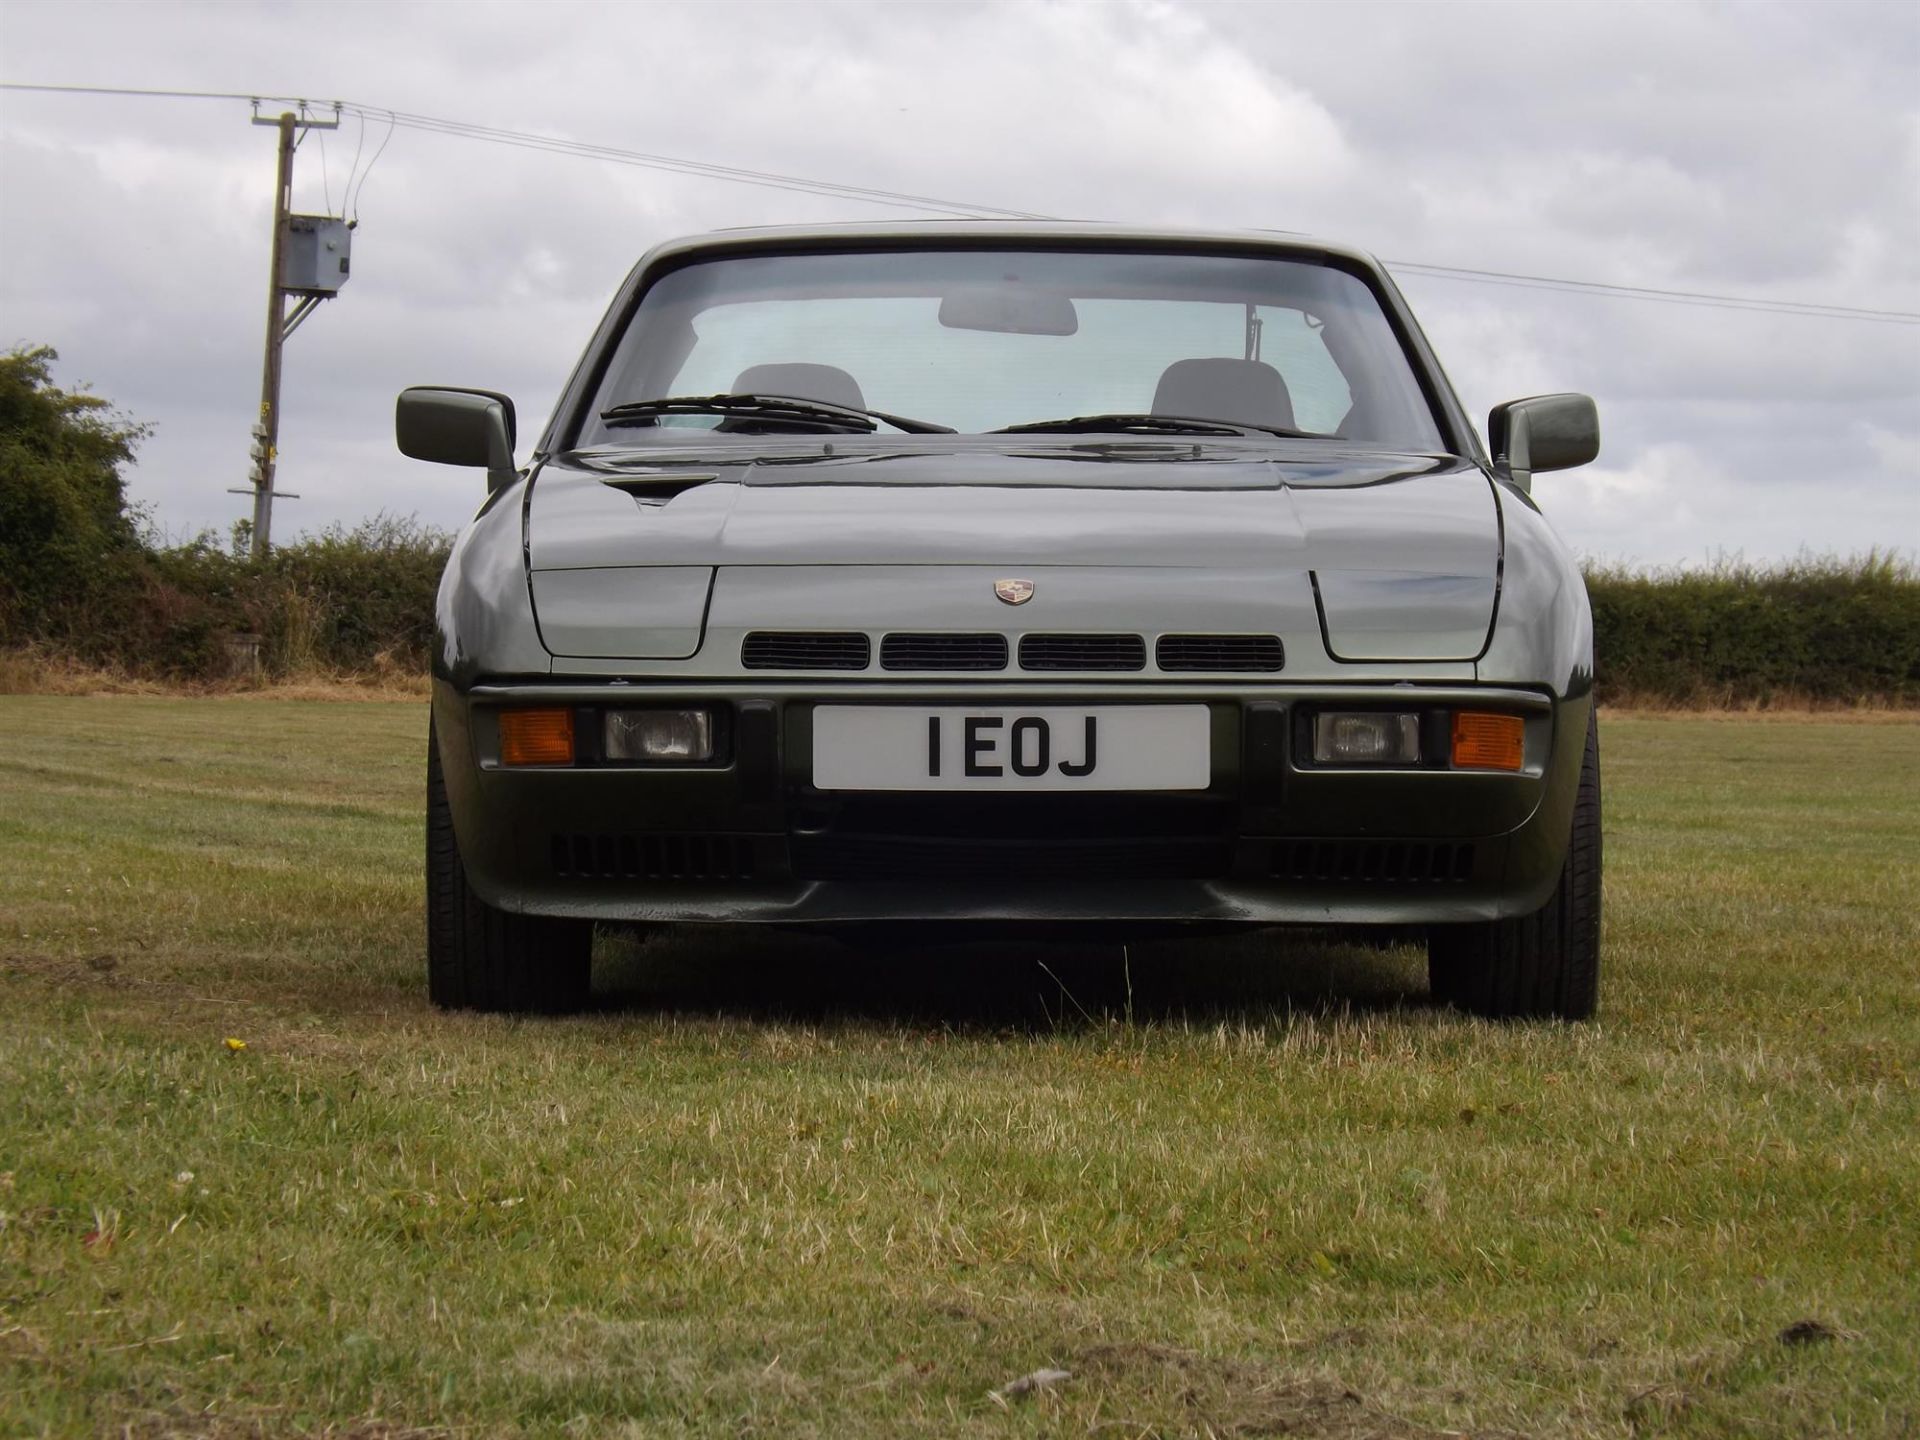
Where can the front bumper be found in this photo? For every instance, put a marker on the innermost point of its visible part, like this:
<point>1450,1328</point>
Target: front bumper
<point>750,839</point>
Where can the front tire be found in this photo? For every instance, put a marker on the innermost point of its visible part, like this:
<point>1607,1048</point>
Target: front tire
<point>483,958</point>
<point>1540,966</point>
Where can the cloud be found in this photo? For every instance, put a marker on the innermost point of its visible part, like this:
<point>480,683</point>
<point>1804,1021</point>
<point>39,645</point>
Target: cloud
<point>1763,150</point>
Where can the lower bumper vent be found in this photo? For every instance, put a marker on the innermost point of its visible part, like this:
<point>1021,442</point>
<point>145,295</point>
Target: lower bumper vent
<point>1373,862</point>
<point>689,857</point>
<point>912,857</point>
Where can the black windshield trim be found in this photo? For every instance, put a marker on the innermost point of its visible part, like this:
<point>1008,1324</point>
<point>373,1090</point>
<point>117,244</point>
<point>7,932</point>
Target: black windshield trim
<point>1457,431</point>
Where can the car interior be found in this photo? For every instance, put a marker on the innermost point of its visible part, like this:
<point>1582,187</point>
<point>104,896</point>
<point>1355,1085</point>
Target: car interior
<point>1239,392</point>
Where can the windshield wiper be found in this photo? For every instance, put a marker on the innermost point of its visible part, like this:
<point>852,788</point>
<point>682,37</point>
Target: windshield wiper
<point>790,408</point>
<point>1146,425</point>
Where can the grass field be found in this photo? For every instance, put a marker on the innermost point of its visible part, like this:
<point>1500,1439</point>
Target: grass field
<point>1233,1187</point>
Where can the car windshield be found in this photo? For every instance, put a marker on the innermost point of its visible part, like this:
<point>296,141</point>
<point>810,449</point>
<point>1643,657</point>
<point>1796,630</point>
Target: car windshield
<point>981,340</point>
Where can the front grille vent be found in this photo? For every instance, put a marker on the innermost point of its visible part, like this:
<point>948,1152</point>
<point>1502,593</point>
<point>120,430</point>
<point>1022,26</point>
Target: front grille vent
<point>1373,862</point>
<point>805,650</point>
<point>943,652</point>
<point>1083,652</point>
<point>1219,652</point>
<point>672,857</point>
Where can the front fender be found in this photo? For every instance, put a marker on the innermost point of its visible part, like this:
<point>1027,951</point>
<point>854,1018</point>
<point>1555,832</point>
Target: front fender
<point>1543,623</point>
<point>483,616</point>
<point>1543,635</point>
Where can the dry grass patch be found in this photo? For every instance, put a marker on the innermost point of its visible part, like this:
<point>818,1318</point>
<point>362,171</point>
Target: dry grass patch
<point>45,672</point>
<point>1234,1186</point>
<point>1865,711</point>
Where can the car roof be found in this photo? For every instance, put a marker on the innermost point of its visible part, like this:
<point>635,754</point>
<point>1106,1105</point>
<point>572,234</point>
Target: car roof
<point>975,232</point>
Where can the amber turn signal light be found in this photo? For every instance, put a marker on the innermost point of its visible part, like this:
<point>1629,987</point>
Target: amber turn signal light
<point>536,737</point>
<point>1488,742</point>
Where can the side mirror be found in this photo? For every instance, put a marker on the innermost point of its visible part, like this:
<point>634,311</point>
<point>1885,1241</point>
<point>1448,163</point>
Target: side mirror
<point>1546,432</point>
<point>457,427</point>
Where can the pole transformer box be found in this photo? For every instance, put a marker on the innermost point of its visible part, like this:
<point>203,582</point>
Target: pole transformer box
<point>314,255</point>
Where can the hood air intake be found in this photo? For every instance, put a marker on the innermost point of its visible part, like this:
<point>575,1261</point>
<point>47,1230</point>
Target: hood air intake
<point>1219,652</point>
<point>1083,652</point>
<point>805,650</point>
<point>943,652</point>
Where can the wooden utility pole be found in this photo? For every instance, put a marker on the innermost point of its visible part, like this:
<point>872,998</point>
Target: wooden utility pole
<point>316,281</point>
<point>267,432</point>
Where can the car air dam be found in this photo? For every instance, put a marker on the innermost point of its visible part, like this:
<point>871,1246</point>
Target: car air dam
<point>1102,747</point>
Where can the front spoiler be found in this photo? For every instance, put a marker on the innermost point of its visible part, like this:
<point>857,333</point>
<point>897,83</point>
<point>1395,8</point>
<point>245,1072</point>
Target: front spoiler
<point>1297,846</point>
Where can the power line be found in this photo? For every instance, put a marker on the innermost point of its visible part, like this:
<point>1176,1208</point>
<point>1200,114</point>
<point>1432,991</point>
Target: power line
<point>153,94</point>
<point>1642,292</point>
<point>385,140</point>
<point>766,179</point>
<point>326,186</point>
<point>554,144</point>
<point>353,166</point>
<point>645,160</point>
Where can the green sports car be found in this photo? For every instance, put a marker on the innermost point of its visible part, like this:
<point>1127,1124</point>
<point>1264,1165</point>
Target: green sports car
<point>1035,574</point>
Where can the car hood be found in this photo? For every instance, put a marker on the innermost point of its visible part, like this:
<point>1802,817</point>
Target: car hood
<point>1399,554</point>
<point>1373,512</point>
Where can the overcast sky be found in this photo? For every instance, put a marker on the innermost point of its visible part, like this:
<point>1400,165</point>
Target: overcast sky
<point>1754,149</point>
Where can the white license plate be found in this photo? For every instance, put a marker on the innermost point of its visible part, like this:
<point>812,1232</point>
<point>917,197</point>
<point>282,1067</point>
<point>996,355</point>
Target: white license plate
<point>1053,747</point>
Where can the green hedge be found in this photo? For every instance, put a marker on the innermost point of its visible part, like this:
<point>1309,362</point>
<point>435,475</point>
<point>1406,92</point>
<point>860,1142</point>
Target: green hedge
<point>352,601</point>
<point>361,601</point>
<point>342,600</point>
<point>79,579</point>
<point>1823,629</point>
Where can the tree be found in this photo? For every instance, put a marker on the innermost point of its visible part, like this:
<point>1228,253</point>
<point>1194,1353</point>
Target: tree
<point>64,521</point>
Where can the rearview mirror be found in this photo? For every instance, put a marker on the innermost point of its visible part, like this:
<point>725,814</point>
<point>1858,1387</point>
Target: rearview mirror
<point>1010,310</point>
<point>1545,432</point>
<point>452,426</point>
